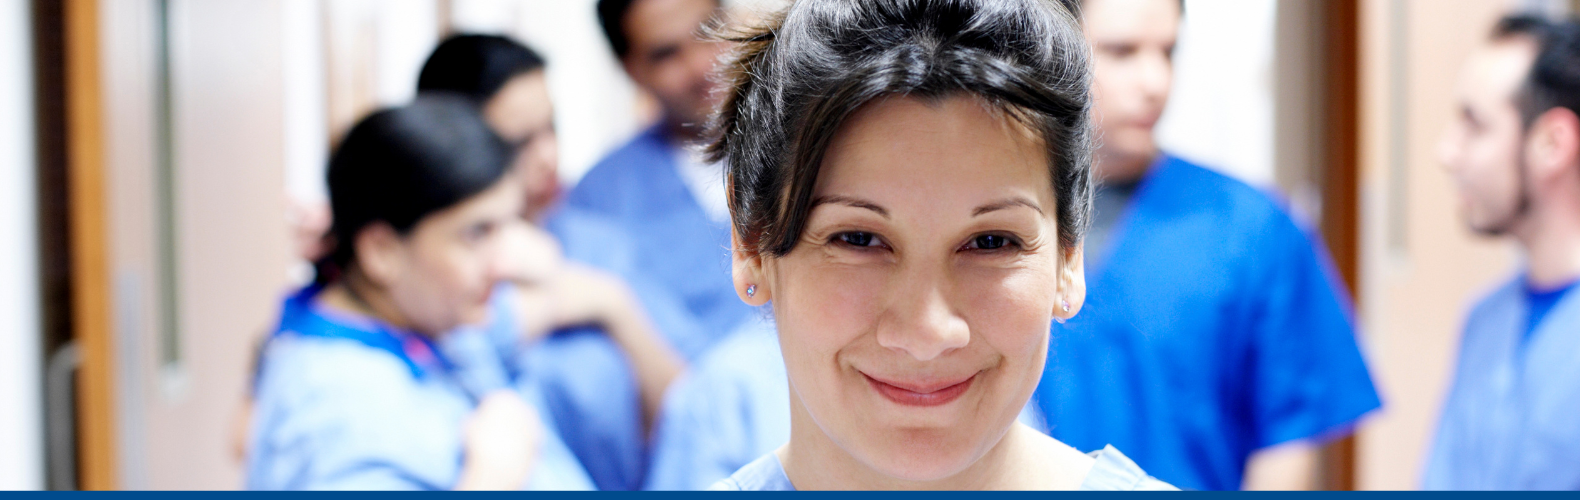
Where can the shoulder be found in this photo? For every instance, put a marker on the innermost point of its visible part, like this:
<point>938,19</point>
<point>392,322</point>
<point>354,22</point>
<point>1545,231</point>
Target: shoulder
<point>739,378</point>
<point>592,238</point>
<point>623,165</point>
<point>763,474</point>
<point>1113,471</point>
<point>1495,309</point>
<point>1232,200</point>
<point>1508,294</point>
<point>744,354</point>
<point>299,370</point>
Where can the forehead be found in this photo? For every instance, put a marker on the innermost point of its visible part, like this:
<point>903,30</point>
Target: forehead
<point>665,21</point>
<point>936,151</point>
<point>1495,71</point>
<point>1130,18</point>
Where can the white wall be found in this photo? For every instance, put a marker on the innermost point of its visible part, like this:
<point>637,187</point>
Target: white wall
<point>21,431</point>
<point>1221,111</point>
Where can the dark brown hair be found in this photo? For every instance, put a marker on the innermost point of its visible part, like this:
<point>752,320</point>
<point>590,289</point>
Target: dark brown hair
<point>1554,77</point>
<point>796,78</point>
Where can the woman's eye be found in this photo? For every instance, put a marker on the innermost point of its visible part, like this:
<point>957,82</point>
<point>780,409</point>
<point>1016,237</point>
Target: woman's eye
<point>478,232</point>
<point>989,242</point>
<point>857,239</point>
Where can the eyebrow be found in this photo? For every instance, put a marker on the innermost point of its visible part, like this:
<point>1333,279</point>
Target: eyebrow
<point>850,202</point>
<point>1004,204</point>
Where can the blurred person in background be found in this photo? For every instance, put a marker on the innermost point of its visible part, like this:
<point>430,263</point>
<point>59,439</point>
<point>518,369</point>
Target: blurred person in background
<point>592,394</point>
<point>1216,346</point>
<point>657,187</point>
<point>1510,420</point>
<point>396,368</point>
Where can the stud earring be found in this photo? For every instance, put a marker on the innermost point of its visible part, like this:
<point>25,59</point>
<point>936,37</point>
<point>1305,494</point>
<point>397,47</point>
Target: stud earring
<point>1065,304</point>
<point>751,291</point>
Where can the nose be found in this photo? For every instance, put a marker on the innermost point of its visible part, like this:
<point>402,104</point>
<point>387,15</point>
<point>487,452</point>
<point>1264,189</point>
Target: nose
<point>1157,75</point>
<point>921,322</point>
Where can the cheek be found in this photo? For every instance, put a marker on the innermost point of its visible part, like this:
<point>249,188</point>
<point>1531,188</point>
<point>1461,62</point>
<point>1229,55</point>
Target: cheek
<point>1012,309</point>
<point>828,305</point>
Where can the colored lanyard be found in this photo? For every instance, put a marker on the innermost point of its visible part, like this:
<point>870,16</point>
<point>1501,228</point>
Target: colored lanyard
<point>418,352</point>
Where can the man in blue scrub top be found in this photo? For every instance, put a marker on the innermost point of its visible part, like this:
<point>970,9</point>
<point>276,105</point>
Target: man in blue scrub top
<point>1214,330</point>
<point>657,188</point>
<point>1512,419</point>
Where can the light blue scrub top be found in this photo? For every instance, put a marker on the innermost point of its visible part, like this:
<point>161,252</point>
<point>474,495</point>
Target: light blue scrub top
<point>1512,418</point>
<point>586,380</point>
<point>347,402</point>
<point>638,188</point>
<point>1113,471</point>
<point>1214,328</point>
<point>729,409</point>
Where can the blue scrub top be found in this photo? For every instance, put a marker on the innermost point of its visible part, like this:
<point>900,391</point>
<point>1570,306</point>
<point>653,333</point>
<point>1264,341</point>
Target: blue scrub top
<point>677,245</point>
<point>1510,421</point>
<point>731,407</point>
<point>586,381</point>
<point>1215,328</point>
<point>348,402</point>
<point>600,242</point>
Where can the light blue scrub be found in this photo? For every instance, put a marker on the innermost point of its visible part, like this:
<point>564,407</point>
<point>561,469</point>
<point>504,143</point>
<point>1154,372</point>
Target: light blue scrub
<point>730,409</point>
<point>587,382</point>
<point>1512,419</point>
<point>1213,328</point>
<point>347,402</point>
<point>684,251</point>
<point>1112,471</point>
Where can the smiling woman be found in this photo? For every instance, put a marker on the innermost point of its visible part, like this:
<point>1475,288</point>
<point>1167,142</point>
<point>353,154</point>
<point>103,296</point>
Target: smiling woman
<point>909,185</point>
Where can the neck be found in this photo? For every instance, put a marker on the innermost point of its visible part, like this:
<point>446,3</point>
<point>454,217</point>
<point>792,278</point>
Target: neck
<point>1550,237</point>
<point>813,461</point>
<point>681,133</point>
<point>354,293</point>
<point>1122,168</point>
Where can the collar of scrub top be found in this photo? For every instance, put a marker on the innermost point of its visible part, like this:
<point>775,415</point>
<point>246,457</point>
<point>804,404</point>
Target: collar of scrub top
<point>303,316</point>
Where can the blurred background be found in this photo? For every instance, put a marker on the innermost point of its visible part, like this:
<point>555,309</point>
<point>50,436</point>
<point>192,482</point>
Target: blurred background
<point>154,153</point>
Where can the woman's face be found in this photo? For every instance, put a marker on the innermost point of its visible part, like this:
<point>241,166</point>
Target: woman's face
<point>522,114</point>
<point>914,312</point>
<point>440,274</point>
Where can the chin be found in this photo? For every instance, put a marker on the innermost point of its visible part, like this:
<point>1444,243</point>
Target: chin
<point>918,457</point>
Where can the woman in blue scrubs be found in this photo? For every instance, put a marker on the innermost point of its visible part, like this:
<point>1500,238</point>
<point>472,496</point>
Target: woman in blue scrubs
<point>910,184</point>
<point>591,392</point>
<point>398,369</point>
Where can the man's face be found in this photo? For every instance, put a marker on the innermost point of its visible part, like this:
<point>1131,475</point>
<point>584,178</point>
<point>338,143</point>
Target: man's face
<point>1132,45</point>
<point>1481,148</point>
<point>667,58</point>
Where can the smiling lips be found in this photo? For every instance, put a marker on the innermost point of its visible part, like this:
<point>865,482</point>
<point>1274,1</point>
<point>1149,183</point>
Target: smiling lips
<point>909,394</point>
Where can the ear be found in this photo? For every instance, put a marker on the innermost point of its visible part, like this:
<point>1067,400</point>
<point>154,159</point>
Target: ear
<point>381,253</point>
<point>746,269</point>
<point>1554,144</point>
<point>1072,283</point>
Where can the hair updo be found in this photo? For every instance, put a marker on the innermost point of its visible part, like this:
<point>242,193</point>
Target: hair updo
<point>400,165</point>
<point>794,80</point>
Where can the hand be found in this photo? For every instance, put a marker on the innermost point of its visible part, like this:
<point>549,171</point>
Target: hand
<point>502,440</point>
<point>574,295</point>
<point>533,255</point>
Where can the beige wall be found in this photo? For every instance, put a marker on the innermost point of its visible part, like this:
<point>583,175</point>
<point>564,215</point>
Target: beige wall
<point>175,419</point>
<point>1421,269</point>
